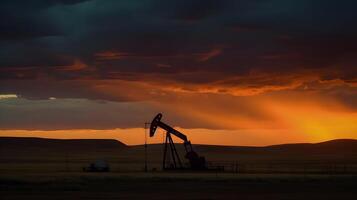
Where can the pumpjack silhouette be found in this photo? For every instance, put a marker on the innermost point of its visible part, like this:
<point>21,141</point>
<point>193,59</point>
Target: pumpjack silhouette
<point>196,162</point>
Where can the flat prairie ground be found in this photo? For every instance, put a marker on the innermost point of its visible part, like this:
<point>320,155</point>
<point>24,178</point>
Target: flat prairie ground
<point>162,185</point>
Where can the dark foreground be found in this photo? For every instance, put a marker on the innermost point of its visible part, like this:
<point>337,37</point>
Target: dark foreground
<point>33,168</point>
<point>175,186</point>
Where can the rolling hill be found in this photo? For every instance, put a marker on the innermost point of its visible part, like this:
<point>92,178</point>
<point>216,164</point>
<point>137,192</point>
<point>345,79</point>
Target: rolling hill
<point>28,143</point>
<point>53,154</point>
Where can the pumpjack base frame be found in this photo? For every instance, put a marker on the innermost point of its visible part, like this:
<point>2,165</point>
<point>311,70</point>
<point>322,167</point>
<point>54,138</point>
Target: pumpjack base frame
<point>170,146</point>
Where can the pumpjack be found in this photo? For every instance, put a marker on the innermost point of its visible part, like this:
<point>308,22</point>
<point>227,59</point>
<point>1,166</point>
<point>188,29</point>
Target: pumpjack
<point>196,162</point>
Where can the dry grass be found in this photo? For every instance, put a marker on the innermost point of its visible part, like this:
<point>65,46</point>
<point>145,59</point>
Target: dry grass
<point>174,186</point>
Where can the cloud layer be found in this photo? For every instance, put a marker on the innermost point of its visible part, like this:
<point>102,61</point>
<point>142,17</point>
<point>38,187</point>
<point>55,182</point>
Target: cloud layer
<point>192,59</point>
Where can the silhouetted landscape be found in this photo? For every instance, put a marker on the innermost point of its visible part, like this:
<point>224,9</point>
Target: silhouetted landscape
<point>39,168</point>
<point>337,156</point>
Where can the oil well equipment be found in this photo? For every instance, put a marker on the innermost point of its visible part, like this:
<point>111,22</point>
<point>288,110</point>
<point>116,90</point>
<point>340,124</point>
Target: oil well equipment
<point>196,162</point>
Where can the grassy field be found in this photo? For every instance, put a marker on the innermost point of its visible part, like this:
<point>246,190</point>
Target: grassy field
<point>175,186</point>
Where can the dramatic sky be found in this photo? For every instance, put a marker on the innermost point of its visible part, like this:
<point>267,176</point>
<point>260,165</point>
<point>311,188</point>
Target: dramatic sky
<point>237,72</point>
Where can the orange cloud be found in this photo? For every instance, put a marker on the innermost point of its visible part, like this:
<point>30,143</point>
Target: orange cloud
<point>202,57</point>
<point>111,55</point>
<point>76,66</point>
<point>160,65</point>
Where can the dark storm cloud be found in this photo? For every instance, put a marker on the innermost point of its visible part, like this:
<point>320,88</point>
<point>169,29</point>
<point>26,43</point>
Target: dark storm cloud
<point>198,41</point>
<point>28,19</point>
<point>190,10</point>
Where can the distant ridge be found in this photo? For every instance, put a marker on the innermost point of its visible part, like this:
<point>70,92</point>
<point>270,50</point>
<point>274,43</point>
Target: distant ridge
<point>329,142</point>
<point>333,147</point>
<point>338,146</point>
<point>109,143</point>
<point>43,153</point>
<point>18,143</point>
<point>55,154</point>
<point>336,142</point>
